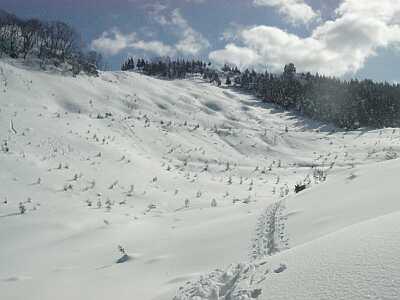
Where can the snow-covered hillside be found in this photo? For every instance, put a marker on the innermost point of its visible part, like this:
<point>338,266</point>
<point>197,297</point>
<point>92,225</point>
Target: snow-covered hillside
<point>188,178</point>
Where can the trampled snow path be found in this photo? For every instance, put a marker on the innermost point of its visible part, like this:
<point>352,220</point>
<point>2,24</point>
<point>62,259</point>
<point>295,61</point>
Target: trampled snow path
<point>238,282</point>
<point>241,281</point>
<point>271,235</point>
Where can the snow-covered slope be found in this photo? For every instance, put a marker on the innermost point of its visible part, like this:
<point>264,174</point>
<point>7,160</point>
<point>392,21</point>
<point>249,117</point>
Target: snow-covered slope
<point>343,237</point>
<point>129,160</point>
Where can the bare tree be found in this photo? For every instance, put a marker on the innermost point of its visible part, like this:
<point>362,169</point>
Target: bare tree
<point>55,41</point>
<point>29,33</point>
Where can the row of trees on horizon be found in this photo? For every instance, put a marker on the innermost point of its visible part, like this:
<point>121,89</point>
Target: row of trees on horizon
<point>173,69</point>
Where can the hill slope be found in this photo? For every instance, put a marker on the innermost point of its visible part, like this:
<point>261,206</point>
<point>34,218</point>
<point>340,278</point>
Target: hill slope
<point>129,160</point>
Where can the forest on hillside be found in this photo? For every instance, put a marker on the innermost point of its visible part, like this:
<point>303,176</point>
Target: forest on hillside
<point>349,104</point>
<point>51,42</point>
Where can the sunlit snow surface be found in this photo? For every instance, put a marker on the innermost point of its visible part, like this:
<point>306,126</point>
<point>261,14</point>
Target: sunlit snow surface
<point>109,161</point>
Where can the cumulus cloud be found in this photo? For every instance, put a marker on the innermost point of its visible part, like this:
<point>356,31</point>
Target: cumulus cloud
<point>336,47</point>
<point>113,42</point>
<point>295,11</point>
<point>190,42</point>
<point>156,47</point>
<point>242,57</point>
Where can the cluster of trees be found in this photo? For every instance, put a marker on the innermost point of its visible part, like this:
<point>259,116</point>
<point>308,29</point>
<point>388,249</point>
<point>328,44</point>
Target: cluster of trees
<point>173,69</point>
<point>55,41</point>
<point>170,69</point>
<point>348,104</point>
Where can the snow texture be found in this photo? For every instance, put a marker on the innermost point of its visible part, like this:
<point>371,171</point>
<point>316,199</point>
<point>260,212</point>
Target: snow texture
<point>188,178</point>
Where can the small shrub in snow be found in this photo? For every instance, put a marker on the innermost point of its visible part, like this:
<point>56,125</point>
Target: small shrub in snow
<point>286,189</point>
<point>108,204</point>
<point>113,185</point>
<point>4,147</point>
<point>319,175</point>
<point>282,192</point>
<point>67,187</point>
<point>125,257</point>
<point>213,203</point>
<point>150,207</point>
<point>22,208</point>
<point>130,192</point>
<point>299,187</point>
<point>227,168</point>
<point>247,200</point>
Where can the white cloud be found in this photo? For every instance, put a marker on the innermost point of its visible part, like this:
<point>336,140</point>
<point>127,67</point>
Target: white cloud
<point>386,10</point>
<point>155,47</point>
<point>295,11</point>
<point>113,42</point>
<point>190,42</point>
<point>335,47</point>
<point>242,57</point>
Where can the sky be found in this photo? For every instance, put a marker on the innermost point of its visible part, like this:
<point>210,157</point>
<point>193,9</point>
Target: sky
<point>344,38</point>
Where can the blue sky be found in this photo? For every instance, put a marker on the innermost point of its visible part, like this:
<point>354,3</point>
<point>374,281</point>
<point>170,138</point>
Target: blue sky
<point>348,38</point>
